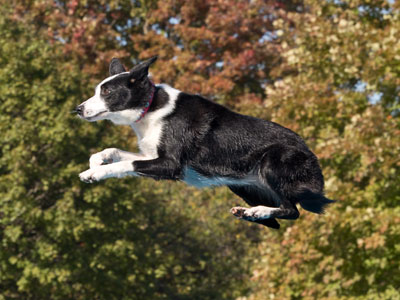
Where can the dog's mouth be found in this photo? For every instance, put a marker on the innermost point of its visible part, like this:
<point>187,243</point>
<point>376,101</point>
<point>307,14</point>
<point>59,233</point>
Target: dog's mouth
<point>91,118</point>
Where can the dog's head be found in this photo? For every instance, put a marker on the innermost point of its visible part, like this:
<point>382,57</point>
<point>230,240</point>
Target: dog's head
<point>122,97</point>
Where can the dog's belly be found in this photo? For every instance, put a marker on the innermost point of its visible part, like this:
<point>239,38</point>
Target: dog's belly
<point>193,178</point>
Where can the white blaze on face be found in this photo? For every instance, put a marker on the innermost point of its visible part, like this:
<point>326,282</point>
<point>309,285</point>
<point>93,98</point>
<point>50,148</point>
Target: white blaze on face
<point>94,106</point>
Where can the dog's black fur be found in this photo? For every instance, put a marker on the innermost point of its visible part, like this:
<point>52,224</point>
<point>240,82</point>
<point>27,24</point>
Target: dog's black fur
<point>215,142</point>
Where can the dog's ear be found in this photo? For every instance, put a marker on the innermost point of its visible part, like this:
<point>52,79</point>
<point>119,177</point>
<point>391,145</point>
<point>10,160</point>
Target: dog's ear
<point>141,70</point>
<point>116,67</point>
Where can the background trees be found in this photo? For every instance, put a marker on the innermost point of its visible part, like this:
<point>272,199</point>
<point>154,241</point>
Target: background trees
<point>327,69</point>
<point>338,86</point>
<point>62,239</point>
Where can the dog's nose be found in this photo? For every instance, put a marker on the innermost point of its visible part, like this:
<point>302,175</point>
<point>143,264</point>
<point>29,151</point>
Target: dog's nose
<point>79,110</point>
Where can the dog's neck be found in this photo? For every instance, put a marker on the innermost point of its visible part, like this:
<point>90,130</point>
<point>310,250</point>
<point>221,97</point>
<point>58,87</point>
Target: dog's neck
<point>148,103</point>
<point>163,104</point>
<point>160,98</point>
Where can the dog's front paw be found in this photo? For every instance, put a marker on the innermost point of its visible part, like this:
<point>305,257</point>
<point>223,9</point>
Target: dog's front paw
<point>107,156</point>
<point>92,175</point>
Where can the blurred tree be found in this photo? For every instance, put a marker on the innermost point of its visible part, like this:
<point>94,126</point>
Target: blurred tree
<point>222,49</point>
<point>338,86</point>
<point>121,239</point>
<point>330,71</point>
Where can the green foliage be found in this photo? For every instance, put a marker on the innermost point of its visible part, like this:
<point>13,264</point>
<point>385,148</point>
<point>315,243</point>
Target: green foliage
<point>317,67</point>
<point>338,56</point>
<point>121,239</point>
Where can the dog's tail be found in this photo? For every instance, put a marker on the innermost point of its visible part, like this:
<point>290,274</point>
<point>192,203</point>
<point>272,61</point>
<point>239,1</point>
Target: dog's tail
<point>313,202</point>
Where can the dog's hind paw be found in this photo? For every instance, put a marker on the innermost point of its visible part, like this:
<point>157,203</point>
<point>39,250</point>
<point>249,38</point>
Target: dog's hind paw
<point>238,211</point>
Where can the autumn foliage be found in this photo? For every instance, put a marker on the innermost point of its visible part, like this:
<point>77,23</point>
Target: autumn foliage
<point>330,70</point>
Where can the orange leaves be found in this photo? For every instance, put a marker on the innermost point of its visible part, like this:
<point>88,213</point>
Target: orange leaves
<point>376,240</point>
<point>216,44</point>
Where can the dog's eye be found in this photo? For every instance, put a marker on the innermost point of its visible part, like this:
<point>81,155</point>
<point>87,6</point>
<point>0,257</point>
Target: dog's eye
<point>105,91</point>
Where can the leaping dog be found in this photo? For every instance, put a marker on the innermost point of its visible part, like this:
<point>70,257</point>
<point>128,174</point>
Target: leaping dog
<point>189,138</point>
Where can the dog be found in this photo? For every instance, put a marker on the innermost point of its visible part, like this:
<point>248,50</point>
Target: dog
<point>189,138</point>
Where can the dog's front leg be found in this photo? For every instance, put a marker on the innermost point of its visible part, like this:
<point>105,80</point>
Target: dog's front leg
<point>113,155</point>
<point>159,168</point>
<point>118,169</point>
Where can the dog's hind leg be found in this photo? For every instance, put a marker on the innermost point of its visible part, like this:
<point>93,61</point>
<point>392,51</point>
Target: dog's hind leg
<point>284,171</point>
<point>238,212</point>
<point>254,197</point>
<point>260,212</point>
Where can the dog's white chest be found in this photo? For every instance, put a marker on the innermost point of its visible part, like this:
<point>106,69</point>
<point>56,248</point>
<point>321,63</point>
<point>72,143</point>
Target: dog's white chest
<point>149,134</point>
<point>148,143</point>
<point>149,130</point>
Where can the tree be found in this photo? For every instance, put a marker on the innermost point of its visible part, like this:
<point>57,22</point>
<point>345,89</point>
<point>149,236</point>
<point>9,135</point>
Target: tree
<point>121,239</point>
<point>327,69</point>
<point>338,88</point>
<point>222,49</point>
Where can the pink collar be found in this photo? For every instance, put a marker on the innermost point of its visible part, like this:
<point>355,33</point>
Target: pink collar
<point>148,103</point>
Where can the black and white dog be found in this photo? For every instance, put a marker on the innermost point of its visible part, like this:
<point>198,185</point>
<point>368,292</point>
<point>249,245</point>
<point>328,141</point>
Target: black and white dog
<point>189,138</point>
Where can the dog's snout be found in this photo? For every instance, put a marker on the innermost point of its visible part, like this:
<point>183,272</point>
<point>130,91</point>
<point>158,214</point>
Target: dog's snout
<point>79,110</point>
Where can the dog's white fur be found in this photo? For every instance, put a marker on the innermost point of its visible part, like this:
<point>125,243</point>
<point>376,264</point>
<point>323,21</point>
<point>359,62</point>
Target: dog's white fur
<point>118,169</point>
<point>259,212</point>
<point>254,213</point>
